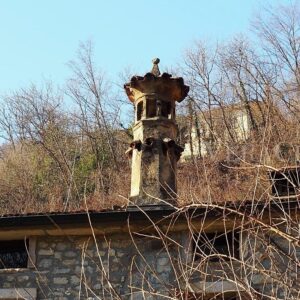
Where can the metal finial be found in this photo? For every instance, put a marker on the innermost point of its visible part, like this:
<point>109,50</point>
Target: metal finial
<point>155,69</point>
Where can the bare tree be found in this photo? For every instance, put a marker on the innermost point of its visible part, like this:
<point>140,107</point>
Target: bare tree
<point>97,111</point>
<point>279,32</point>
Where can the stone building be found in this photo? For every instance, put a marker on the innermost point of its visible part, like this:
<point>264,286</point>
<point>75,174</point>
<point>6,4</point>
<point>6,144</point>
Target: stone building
<point>209,130</point>
<point>152,249</point>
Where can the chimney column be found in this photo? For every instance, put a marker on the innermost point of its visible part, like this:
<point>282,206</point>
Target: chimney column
<point>154,151</point>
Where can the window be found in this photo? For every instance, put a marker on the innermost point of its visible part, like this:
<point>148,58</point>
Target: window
<point>13,254</point>
<point>285,182</point>
<point>218,245</point>
<point>150,108</point>
<point>166,109</point>
<point>17,254</point>
<point>139,111</point>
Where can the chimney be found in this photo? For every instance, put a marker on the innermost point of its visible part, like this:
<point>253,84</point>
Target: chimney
<point>154,151</point>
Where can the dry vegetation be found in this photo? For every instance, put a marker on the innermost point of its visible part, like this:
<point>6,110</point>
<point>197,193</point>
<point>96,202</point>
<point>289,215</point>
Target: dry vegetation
<point>61,145</point>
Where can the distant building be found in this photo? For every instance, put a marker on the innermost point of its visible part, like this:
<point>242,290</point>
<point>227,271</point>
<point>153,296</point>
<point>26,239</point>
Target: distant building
<point>207,131</point>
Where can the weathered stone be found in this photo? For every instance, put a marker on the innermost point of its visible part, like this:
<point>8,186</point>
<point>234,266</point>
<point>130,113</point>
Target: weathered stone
<point>78,269</point>
<point>153,151</point>
<point>120,254</point>
<point>58,294</point>
<point>10,278</point>
<point>60,280</point>
<point>163,261</point>
<point>61,246</point>
<point>58,255</point>
<point>89,253</point>
<point>90,269</point>
<point>45,252</point>
<point>61,271</point>
<point>104,245</point>
<point>69,262</point>
<point>111,252</point>
<point>45,263</point>
<point>22,278</point>
<point>97,286</point>
<point>161,269</point>
<point>43,244</point>
<point>74,279</point>
<point>70,254</point>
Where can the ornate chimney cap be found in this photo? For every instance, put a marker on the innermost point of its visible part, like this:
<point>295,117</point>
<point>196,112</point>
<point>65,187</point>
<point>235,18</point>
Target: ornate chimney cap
<point>155,69</point>
<point>166,87</point>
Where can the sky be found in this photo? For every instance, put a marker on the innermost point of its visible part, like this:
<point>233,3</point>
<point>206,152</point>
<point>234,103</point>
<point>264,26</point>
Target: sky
<point>39,37</point>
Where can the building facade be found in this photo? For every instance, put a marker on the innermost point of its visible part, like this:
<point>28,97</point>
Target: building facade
<point>154,253</point>
<point>210,130</point>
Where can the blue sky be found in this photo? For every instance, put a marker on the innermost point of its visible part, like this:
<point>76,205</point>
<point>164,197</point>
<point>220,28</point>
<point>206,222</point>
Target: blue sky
<point>38,37</point>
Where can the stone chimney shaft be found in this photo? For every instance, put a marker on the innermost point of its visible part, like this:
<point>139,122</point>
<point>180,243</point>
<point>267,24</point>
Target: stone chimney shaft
<point>154,151</point>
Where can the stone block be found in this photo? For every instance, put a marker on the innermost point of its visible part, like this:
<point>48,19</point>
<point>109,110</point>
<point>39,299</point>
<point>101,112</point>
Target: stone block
<point>70,254</point>
<point>60,280</point>
<point>45,263</point>
<point>45,252</point>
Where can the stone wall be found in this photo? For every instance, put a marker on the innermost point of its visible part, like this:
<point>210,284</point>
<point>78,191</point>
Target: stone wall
<point>136,267</point>
<point>69,267</point>
<point>267,267</point>
<point>273,262</point>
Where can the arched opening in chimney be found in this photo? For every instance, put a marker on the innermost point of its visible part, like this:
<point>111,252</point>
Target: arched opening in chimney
<point>166,109</point>
<point>139,111</point>
<point>151,108</point>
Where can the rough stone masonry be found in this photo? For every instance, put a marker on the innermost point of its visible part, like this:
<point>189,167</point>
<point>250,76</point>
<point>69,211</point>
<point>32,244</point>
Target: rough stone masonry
<point>73,267</point>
